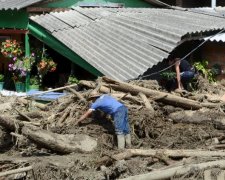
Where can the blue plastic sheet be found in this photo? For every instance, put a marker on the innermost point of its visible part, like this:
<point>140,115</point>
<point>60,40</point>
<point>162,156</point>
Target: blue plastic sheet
<point>49,96</point>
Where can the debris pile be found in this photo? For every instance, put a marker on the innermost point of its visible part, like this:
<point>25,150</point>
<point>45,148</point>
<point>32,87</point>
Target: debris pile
<point>174,135</point>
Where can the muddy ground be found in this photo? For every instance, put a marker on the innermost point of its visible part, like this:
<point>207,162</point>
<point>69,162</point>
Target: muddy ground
<point>148,132</point>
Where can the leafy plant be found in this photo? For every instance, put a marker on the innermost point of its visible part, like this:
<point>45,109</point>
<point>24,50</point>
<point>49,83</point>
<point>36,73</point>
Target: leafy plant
<point>2,77</point>
<point>202,67</point>
<point>34,80</point>
<point>72,80</point>
<point>168,75</point>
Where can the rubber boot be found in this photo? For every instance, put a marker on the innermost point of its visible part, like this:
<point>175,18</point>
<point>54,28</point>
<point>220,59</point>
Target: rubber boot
<point>121,141</point>
<point>128,140</point>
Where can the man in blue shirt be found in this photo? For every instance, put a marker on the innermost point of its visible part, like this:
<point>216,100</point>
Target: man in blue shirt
<point>119,113</point>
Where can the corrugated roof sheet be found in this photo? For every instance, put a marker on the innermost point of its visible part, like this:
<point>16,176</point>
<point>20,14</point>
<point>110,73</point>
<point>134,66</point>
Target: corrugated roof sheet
<point>124,43</point>
<point>217,38</point>
<point>16,4</point>
<point>218,11</point>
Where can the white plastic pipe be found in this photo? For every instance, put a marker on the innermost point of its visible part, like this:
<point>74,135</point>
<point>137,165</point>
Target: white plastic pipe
<point>213,3</point>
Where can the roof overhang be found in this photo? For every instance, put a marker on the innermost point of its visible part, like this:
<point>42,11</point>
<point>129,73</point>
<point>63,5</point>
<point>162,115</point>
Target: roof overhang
<point>17,4</point>
<point>124,43</point>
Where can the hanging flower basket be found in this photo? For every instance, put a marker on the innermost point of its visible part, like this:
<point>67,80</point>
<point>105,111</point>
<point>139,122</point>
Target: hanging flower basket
<point>45,65</point>
<point>11,48</point>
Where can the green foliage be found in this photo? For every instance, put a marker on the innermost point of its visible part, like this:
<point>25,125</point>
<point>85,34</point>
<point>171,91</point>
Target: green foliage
<point>72,80</point>
<point>168,75</point>
<point>34,80</point>
<point>202,67</point>
<point>2,77</point>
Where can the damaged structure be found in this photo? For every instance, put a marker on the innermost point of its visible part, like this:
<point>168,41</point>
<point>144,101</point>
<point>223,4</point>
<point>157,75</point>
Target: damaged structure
<point>122,43</point>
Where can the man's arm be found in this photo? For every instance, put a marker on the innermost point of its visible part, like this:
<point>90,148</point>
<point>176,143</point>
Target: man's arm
<point>84,116</point>
<point>177,68</point>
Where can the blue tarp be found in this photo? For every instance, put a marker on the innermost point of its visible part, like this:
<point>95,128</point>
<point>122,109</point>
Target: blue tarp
<point>49,96</point>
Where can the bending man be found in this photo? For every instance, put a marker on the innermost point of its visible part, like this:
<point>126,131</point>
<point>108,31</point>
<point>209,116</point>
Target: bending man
<point>119,113</point>
<point>184,72</point>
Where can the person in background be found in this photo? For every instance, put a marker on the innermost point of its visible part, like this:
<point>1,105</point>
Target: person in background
<point>184,72</point>
<point>117,110</point>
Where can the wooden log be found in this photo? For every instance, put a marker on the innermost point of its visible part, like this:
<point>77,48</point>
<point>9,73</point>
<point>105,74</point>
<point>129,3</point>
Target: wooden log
<point>36,104</point>
<point>23,115</point>
<point>99,84</point>
<point>147,103</point>
<point>129,97</point>
<point>64,105</point>
<point>168,98</point>
<point>15,171</point>
<point>168,153</point>
<point>66,143</point>
<point>92,85</point>
<point>103,89</point>
<point>35,114</point>
<point>199,117</point>
<point>176,171</point>
<point>79,95</point>
<point>8,123</point>
<point>11,124</point>
<point>63,117</point>
<point>160,152</point>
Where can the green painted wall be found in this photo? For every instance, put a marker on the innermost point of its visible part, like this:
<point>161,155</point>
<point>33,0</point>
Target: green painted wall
<point>127,3</point>
<point>14,19</point>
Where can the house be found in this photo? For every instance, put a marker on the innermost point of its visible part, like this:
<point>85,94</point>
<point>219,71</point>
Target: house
<point>15,14</point>
<point>122,43</point>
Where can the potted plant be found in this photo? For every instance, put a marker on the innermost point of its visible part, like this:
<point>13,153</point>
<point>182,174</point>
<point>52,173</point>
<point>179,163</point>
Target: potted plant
<point>34,83</point>
<point>1,81</point>
<point>19,68</point>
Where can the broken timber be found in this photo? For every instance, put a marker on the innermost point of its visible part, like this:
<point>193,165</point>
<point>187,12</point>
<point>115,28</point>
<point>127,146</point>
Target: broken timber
<point>135,90</point>
<point>176,171</point>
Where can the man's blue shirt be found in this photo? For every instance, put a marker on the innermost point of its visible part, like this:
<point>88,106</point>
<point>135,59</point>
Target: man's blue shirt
<point>106,104</point>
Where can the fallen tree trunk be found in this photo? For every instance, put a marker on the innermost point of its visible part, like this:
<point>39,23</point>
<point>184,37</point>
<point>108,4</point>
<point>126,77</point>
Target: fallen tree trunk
<point>176,171</point>
<point>12,124</point>
<point>9,123</point>
<point>169,153</point>
<point>168,98</point>
<point>199,117</point>
<point>160,153</point>
<point>60,143</point>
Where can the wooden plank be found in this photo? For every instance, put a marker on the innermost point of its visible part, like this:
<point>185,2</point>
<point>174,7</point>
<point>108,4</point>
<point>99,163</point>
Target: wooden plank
<point>13,31</point>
